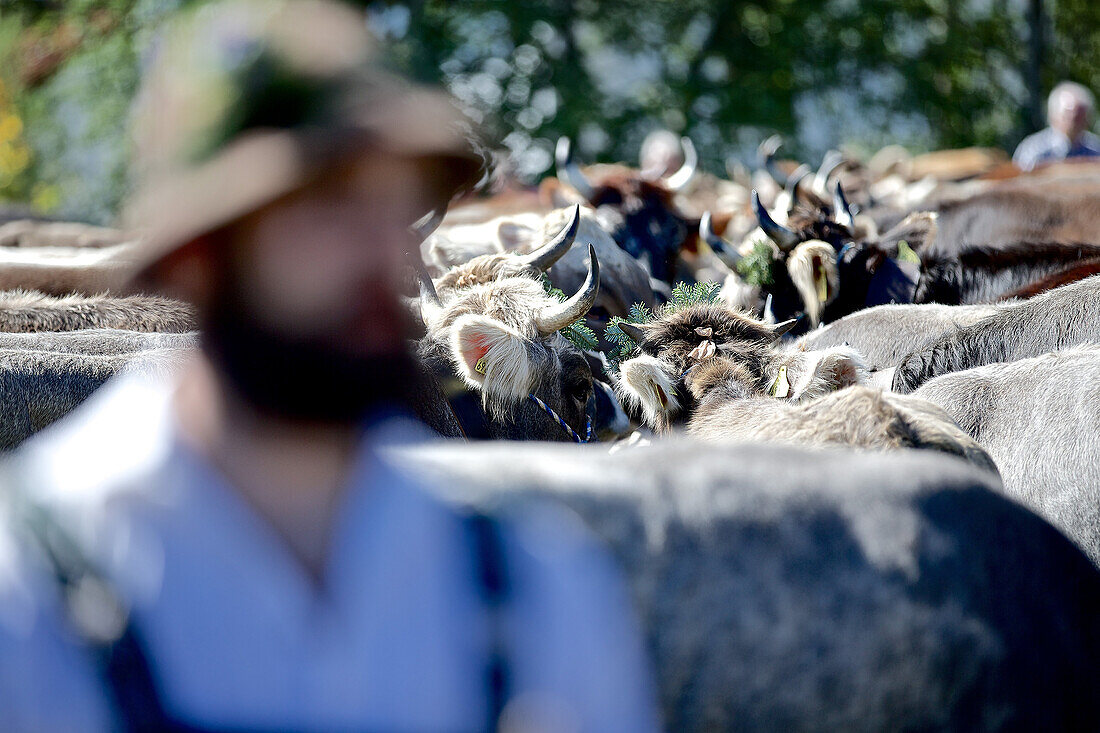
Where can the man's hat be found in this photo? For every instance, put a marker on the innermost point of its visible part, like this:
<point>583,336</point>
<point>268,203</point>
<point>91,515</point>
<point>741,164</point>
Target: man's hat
<point>249,100</point>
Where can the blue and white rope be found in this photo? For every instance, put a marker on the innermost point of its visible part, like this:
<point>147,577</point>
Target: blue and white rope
<point>565,426</point>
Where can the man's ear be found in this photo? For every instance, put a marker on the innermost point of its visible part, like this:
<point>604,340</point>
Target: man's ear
<point>491,357</point>
<point>818,373</point>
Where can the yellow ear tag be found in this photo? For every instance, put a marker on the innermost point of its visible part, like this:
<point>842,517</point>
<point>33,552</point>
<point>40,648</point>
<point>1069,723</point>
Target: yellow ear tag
<point>822,286</point>
<point>481,367</point>
<point>906,253</point>
<point>781,387</point>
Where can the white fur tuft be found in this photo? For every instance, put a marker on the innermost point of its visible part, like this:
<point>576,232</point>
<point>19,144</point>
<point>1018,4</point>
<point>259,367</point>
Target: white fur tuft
<point>800,265</point>
<point>636,386</point>
<point>814,374</point>
<point>508,370</point>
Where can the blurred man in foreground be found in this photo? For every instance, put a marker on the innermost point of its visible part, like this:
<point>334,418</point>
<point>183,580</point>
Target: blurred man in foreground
<point>233,551</point>
<point>1069,114</point>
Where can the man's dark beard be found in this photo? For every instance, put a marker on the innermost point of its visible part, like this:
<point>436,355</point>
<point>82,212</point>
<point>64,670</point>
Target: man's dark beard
<point>309,380</point>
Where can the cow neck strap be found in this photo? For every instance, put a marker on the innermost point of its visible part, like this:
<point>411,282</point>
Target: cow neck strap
<point>564,425</point>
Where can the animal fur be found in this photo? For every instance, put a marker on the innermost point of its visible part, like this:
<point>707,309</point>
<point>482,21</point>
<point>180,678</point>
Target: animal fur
<point>858,417</point>
<point>1057,319</point>
<point>885,334</point>
<point>806,263</point>
<point>38,388</point>
<point>726,396</point>
<point>1040,420</point>
<point>804,590</point>
<point>23,311</point>
<point>64,270</point>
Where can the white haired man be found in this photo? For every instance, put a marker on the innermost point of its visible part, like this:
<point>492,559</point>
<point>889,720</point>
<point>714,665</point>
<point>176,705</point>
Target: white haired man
<point>1069,114</point>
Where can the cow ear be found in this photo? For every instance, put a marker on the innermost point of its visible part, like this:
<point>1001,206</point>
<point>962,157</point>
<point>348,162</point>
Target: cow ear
<point>516,236</point>
<point>491,357</point>
<point>825,371</point>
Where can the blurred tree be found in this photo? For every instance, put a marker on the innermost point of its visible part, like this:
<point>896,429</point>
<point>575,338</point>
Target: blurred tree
<point>1075,44</point>
<point>924,73</point>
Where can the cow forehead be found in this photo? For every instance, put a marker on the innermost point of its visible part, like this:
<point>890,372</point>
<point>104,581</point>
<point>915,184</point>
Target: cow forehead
<point>725,324</point>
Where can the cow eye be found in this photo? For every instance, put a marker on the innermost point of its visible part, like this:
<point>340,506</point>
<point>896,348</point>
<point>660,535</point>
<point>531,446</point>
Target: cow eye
<point>580,390</point>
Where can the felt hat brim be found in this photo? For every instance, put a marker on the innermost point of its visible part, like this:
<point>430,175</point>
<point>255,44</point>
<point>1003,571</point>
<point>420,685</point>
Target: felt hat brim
<point>262,165</point>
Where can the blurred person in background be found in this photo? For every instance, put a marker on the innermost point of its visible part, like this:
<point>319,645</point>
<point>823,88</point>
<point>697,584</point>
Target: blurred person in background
<point>661,154</point>
<point>232,551</point>
<point>1070,109</point>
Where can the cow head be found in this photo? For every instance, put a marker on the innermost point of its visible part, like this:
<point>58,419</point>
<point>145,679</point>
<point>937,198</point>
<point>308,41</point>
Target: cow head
<point>685,354</point>
<point>803,273</point>
<point>501,340</point>
<point>637,207</point>
<point>816,256</point>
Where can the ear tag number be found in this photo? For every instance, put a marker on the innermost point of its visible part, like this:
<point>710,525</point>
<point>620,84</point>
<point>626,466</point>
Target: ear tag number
<point>481,367</point>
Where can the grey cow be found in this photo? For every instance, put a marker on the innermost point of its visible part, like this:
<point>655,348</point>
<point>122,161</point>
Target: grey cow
<point>1040,421</point>
<point>886,334</point>
<point>25,310</point>
<point>785,589</point>
<point>1057,319</point>
<point>97,341</point>
<point>40,387</point>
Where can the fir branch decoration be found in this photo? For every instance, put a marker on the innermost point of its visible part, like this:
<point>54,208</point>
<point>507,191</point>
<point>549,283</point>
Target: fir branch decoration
<point>581,336</point>
<point>683,295</point>
<point>578,333</point>
<point>756,267</point>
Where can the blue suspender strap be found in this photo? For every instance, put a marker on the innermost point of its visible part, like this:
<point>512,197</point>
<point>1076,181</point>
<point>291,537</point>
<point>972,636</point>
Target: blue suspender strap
<point>100,619</point>
<point>493,581</point>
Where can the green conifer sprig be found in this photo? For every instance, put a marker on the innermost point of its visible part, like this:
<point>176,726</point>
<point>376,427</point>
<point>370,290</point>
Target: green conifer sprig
<point>683,295</point>
<point>578,333</point>
<point>756,268</point>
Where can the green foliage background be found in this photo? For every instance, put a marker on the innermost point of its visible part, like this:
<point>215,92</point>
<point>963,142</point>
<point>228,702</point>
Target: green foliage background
<point>925,73</point>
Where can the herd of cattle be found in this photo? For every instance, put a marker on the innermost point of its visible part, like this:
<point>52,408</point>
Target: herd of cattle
<point>944,303</point>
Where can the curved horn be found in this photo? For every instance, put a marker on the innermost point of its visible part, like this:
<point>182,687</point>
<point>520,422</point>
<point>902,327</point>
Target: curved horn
<point>781,235</point>
<point>842,212</point>
<point>794,179</point>
<point>555,249</point>
<point>425,225</point>
<point>682,177</point>
<point>769,314</point>
<point>781,328</point>
<point>558,316</point>
<point>569,171</point>
<point>430,305</point>
<point>766,157</point>
<point>633,330</point>
<point>714,241</point>
<point>832,160</point>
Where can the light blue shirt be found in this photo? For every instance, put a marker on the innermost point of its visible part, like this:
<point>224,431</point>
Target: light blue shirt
<point>1051,146</point>
<point>240,637</point>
